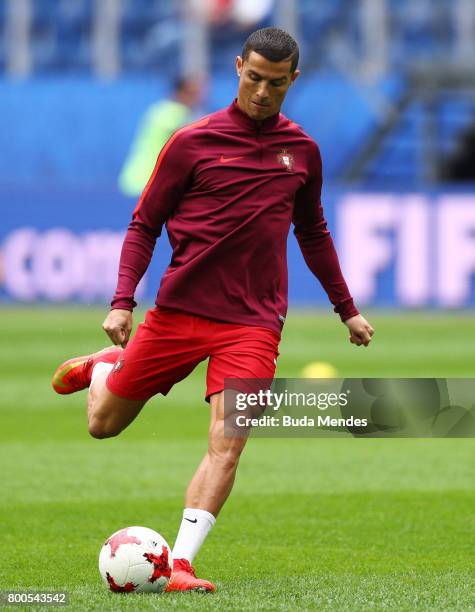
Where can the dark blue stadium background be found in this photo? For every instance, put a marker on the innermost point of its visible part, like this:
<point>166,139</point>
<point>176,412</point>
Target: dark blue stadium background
<point>65,133</point>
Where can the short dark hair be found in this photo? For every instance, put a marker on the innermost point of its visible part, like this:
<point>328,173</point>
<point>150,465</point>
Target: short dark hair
<point>274,44</point>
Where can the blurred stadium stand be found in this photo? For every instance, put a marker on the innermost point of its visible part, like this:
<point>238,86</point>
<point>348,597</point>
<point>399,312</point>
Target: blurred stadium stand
<point>422,132</point>
<point>62,44</point>
<point>151,34</point>
<point>358,95</point>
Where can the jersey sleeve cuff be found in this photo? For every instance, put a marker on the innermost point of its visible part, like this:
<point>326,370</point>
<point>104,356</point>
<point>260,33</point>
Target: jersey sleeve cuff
<point>346,309</point>
<point>123,304</point>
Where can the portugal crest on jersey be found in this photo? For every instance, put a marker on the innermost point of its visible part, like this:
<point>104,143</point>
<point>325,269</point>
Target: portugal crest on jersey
<point>286,159</point>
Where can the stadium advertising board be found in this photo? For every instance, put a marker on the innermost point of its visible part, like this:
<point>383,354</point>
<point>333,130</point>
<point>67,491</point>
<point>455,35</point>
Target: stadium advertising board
<point>396,249</point>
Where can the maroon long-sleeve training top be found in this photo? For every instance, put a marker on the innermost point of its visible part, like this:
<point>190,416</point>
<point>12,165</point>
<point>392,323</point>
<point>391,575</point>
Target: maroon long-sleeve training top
<point>227,188</point>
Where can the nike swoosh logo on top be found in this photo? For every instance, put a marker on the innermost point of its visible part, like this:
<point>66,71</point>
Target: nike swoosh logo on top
<point>225,160</point>
<point>195,521</point>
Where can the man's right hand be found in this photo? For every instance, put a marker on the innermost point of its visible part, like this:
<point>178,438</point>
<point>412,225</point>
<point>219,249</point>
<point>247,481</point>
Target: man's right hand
<point>118,325</point>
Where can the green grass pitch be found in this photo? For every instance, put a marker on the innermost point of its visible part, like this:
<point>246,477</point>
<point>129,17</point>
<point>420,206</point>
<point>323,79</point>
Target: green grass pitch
<point>324,524</point>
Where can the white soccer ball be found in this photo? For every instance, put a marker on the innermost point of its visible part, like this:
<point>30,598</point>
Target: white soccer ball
<point>136,559</point>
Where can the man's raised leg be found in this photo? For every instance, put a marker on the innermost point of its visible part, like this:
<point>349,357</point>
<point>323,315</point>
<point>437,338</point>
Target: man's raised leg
<point>108,414</point>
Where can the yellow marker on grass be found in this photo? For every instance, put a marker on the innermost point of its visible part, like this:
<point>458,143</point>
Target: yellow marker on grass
<point>319,369</point>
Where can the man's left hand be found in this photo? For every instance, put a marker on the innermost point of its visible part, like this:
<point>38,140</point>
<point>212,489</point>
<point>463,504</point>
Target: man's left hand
<point>361,331</point>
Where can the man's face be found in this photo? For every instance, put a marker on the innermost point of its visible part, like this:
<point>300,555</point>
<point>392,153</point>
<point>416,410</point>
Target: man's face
<point>263,85</point>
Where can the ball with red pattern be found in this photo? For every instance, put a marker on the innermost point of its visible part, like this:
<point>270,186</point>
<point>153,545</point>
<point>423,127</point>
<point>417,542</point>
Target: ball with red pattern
<point>135,559</point>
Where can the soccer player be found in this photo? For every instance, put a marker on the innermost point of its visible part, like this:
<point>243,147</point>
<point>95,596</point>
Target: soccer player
<point>227,187</point>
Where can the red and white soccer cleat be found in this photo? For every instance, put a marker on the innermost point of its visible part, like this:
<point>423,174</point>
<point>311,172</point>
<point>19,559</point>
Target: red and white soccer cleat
<point>184,579</point>
<point>75,374</point>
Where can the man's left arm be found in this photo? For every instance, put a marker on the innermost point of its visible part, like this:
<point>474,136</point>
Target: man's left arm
<point>320,255</point>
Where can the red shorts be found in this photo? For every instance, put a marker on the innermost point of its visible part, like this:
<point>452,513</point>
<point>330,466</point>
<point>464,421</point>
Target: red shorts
<point>169,344</point>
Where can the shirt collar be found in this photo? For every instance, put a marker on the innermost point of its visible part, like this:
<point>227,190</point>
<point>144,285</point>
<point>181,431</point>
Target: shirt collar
<point>245,121</point>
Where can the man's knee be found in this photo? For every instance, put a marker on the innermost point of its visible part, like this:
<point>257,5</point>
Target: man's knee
<point>100,429</point>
